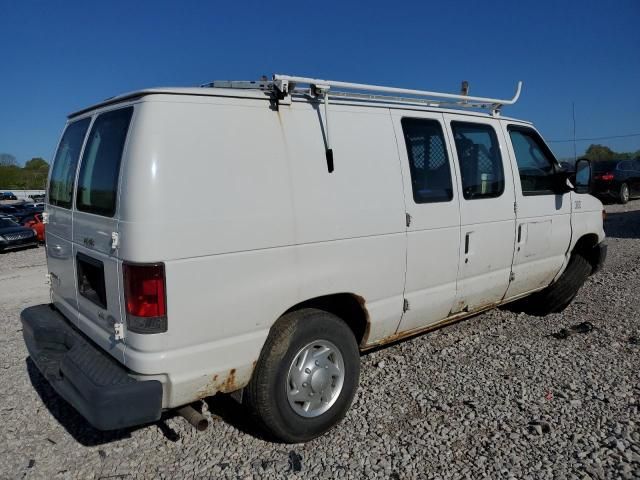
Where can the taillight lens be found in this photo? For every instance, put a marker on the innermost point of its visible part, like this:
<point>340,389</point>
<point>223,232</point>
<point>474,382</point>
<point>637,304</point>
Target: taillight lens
<point>145,297</point>
<point>607,177</point>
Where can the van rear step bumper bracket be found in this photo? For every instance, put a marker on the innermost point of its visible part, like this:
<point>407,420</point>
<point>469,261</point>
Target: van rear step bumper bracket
<point>95,384</point>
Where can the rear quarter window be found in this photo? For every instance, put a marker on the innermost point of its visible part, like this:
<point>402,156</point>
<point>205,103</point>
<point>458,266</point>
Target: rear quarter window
<point>99,171</point>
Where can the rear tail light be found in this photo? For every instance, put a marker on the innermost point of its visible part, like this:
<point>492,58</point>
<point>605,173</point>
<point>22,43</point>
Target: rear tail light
<point>145,297</point>
<point>607,177</point>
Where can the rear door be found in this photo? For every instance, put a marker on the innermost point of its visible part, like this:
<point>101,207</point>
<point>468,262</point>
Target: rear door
<point>487,216</point>
<point>59,203</point>
<point>95,222</point>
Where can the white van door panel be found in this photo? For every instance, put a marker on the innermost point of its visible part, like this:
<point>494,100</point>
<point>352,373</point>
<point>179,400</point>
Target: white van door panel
<point>95,221</point>
<point>487,214</point>
<point>433,230</point>
<point>59,231</point>
<point>60,261</point>
<point>92,247</point>
<point>543,227</point>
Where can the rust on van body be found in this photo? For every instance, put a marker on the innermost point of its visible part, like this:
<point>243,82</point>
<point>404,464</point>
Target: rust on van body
<point>396,337</point>
<point>225,384</point>
<point>367,329</point>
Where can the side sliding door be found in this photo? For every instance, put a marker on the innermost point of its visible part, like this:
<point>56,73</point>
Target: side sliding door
<point>433,218</point>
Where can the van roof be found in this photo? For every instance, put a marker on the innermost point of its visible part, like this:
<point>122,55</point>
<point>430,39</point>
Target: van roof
<point>252,90</point>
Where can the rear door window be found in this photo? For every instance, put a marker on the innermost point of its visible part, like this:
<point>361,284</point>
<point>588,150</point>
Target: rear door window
<point>98,178</point>
<point>428,161</point>
<point>65,163</point>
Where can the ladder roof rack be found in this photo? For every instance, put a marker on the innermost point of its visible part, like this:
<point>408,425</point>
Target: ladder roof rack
<point>283,85</point>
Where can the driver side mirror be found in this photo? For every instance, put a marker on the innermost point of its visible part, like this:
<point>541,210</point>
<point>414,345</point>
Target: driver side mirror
<point>583,176</point>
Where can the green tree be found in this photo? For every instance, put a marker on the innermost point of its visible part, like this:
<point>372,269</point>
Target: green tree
<point>36,163</point>
<point>32,176</point>
<point>599,152</point>
<point>7,160</point>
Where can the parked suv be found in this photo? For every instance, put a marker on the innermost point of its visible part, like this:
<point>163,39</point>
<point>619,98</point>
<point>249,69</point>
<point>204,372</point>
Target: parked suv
<point>323,226</point>
<point>13,235</point>
<point>616,179</point>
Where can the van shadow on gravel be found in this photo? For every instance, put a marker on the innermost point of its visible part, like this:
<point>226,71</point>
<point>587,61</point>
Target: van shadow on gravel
<point>227,410</point>
<point>75,424</point>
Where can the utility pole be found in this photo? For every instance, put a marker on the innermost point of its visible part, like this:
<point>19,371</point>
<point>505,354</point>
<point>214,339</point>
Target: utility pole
<point>573,108</point>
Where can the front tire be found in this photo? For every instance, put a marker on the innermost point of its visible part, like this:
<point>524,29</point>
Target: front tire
<point>306,377</point>
<point>557,296</point>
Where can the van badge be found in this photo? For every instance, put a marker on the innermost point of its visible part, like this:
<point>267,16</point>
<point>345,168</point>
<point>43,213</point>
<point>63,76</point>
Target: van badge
<point>578,204</point>
<point>88,242</point>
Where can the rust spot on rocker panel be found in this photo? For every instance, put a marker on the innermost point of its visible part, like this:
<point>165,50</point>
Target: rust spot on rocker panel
<point>396,337</point>
<point>367,329</point>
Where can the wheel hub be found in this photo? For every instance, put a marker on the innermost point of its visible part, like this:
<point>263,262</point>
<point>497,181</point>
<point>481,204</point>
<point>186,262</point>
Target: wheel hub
<point>319,380</point>
<point>315,378</point>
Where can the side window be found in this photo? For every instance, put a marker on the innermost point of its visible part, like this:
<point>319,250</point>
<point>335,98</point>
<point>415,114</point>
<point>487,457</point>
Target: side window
<point>98,178</point>
<point>480,160</point>
<point>65,163</point>
<point>534,159</point>
<point>428,160</point>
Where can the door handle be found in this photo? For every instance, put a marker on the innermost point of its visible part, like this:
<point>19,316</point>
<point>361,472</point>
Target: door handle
<point>467,241</point>
<point>519,233</point>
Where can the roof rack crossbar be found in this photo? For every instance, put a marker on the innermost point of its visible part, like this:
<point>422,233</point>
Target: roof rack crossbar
<point>493,103</point>
<point>425,102</point>
<point>283,85</point>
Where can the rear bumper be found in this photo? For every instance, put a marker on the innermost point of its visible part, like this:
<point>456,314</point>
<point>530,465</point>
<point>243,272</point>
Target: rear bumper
<point>96,385</point>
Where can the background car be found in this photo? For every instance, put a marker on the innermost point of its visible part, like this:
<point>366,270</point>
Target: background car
<point>17,211</point>
<point>32,207</point>
<point>13,235</point>
<point>616,179</point>
<point>34,222</point>
<point>8,217</point>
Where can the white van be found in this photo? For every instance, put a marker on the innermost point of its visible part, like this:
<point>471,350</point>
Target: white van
<point>254,238</point>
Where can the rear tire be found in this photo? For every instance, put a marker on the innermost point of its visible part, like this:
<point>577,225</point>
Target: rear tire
<point>308,347</point>
<point>623,194</point>
<point>557,296</point>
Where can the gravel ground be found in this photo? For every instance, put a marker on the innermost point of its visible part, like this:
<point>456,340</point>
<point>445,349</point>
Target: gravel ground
<point>496,396</point>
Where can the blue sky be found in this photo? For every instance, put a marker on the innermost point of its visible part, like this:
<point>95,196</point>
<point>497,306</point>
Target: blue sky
<point>56,57</point>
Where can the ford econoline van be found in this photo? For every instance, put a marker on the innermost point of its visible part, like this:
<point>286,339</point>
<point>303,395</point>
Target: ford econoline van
<point>307,221</point>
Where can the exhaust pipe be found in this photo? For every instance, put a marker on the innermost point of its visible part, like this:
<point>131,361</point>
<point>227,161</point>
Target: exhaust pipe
<point>194,417</point>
